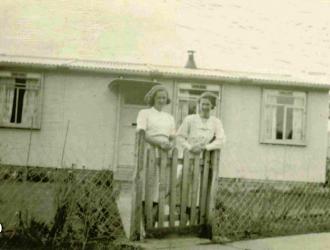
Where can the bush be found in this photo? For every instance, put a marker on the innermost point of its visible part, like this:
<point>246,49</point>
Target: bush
<point>86,212</point>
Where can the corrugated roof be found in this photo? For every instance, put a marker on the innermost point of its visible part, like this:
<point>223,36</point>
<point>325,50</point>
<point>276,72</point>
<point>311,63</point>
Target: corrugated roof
<point>311,80</point>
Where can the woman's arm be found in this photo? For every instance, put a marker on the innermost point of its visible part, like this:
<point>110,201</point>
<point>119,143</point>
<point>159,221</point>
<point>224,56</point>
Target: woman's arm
<point>219,139</point>
<point>153,141</point>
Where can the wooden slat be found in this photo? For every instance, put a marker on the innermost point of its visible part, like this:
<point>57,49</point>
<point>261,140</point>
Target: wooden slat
<point>204,184</point>
<point>184,190</point>
<point>136,212</point>
<point>212,186</point>
<point>195,181</point>
<point>150,169</point>
<point>173,186</point>
<point>162,188</point>
<point>201,180</point>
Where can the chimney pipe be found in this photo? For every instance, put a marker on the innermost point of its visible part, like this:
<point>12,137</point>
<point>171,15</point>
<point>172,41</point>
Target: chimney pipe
<point>191,61</point>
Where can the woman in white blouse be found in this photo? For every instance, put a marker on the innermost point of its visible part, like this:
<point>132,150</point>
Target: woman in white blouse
<point>202,131</point>
<point>159,129</point>
<point>158,125</point>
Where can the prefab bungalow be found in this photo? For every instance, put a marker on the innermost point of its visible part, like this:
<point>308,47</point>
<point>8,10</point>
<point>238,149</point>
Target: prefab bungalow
<point>70,112</point>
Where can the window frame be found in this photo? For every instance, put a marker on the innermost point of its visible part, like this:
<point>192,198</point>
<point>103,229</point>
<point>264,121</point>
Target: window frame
<point>38,116</point>
<point>262,137</point>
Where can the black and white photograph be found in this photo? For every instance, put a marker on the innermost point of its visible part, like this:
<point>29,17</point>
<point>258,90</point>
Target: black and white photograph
<point>165,124</point>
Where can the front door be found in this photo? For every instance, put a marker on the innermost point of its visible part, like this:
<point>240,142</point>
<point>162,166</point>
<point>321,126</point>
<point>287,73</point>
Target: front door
<point>132,101</point>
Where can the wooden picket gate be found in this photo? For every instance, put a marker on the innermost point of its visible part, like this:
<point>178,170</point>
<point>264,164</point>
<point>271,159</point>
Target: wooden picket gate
<point>184,204</point>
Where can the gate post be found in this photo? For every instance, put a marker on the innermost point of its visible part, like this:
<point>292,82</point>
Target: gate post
<point>213,186</point>
<point>136,210</point>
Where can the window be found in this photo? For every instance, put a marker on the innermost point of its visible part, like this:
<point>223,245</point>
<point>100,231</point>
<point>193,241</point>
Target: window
<point>20,96</point>
<point>188,95</point>
<point>284,117</point>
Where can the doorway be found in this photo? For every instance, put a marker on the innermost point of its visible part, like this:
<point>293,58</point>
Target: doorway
<point>132,101</point>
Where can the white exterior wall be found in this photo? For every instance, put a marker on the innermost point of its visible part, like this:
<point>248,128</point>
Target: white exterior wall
<point>81,100</point>
<point>243,155</point>
<point>84,101</point>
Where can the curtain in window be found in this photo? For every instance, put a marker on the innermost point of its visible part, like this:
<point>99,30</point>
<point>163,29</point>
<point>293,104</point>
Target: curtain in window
<point>7,89</point>
<point>270,117</point>
<point>30,103</point>
<point>297,120</point>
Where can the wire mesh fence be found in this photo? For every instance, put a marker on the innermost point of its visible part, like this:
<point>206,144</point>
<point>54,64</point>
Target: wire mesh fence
<point>58,207</point>
<point>248,209</point>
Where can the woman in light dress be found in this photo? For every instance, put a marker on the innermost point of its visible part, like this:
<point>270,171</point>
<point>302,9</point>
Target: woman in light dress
<point>200,132</point>
<point>159,127</point>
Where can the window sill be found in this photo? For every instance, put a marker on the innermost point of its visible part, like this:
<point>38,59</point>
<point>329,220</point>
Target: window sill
<point>285,143</point>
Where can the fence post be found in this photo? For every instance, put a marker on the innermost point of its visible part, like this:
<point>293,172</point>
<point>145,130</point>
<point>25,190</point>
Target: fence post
<point>184,189</point>
<point>136,212</point>
<point>162,187</point>
<point>150,173</point>
<point>194,187</point>
<point>173,174</point>
<point>204,186</point>
<point>213,186</point>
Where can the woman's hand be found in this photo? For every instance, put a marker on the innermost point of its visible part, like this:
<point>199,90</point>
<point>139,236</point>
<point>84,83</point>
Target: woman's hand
<point>196,149</point>
<point>166,145</point>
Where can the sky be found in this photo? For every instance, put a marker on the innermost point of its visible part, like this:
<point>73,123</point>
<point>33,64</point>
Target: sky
<point>256,35</point>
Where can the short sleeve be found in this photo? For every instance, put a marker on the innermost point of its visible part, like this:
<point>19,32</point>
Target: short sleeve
<point>220,137</point>
<point>141,120</point>
<point>219,132</point>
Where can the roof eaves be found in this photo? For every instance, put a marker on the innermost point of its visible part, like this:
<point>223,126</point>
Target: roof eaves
<point>163,71</point>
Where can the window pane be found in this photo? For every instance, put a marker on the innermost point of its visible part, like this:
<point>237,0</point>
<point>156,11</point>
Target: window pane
<point>192,105</point>
<point>289,127</point>
<point>285,100</point>
<point>284,116</point>
<point>279,122</point>
<point>298,124</point>
<point>299,102</point>
<point>17,106</point>
<point>186,108</point>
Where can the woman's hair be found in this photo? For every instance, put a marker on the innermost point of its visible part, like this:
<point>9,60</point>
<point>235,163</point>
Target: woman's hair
<point>150,96</point>
<point>209,96</point>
